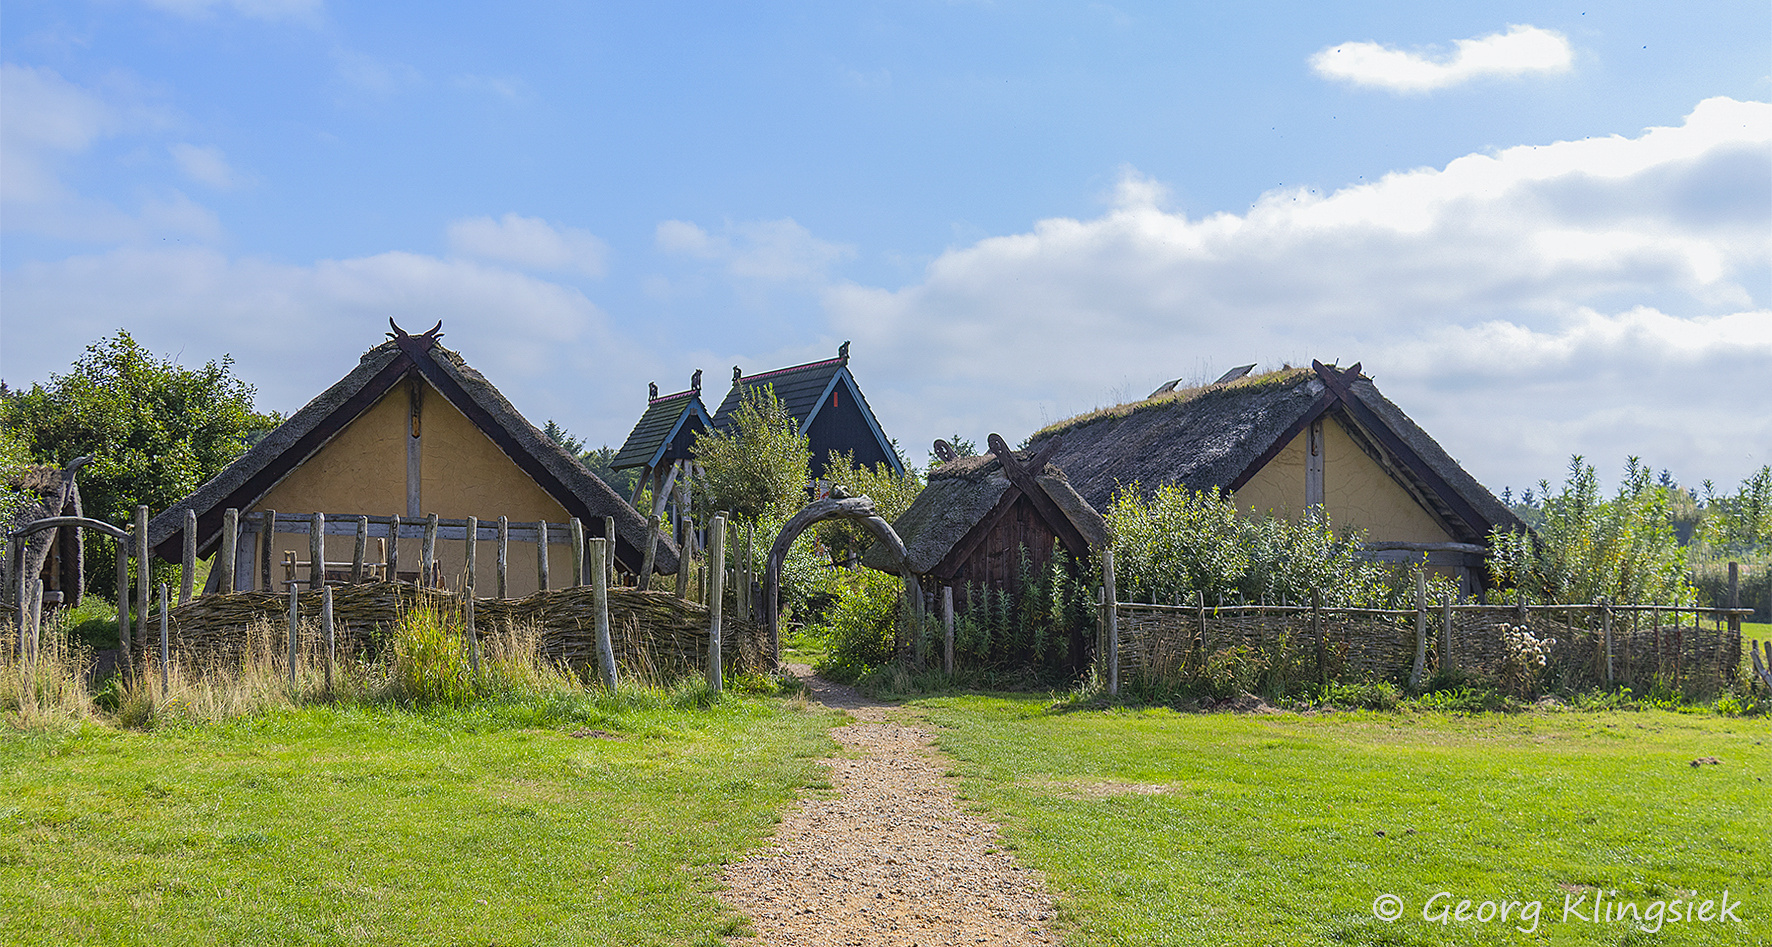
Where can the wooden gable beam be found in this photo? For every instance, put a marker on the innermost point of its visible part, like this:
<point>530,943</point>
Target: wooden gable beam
<point>1029,483</point>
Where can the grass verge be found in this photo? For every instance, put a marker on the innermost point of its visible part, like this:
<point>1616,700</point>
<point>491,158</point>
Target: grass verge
<point>1164,828</point>
<point>490,824</point>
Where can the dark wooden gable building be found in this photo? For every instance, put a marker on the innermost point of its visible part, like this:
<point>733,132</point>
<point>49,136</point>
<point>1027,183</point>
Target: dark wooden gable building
<point>664,437</point>
<point>977,517</point>
<point>412,430</point>
<point>1288,441</point>
<point>825,401</point>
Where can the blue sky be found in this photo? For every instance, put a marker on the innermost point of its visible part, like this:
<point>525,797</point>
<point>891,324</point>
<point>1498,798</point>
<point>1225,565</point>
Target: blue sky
<point>1538,226</point>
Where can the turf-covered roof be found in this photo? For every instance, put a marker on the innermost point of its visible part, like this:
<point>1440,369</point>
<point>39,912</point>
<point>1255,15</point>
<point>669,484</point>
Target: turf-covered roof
<point>1221,435</point>
<point>961,494</point>
<point>246,481</point>
<point>660,429</point>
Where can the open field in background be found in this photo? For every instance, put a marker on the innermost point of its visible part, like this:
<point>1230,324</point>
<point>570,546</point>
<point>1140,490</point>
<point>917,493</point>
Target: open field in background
<point>1161,828</point>
<point>325,825</point>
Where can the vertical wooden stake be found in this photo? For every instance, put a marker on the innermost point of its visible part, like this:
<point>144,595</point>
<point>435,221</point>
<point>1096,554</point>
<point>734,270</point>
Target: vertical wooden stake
<point>649,558</point>
<point>1322,647</point>
<point>541,554</point>
<point>294,632</point>
<point>1108,596</point>
<point>326,626</point>
<point>267,539</point>
<point>165,647</point>
<point>609,540</point>
<point>1734,597</point>
<point>393,564</point>
<point>360,551</point>
<point>947,630</point>
<point>504,552</point>
<point>427,569</point>
<point>576,530</point>
<point>471,540</point>
<point>473,630</point>
<point>36,617</point>
<point>317,551</point>
<point>605,646</point>
<point>716,597</point>
<point>189,563</point>
<point>224,559</point>
<point>1420,668</point>
<point>685,559</point>
<point>142,572</point>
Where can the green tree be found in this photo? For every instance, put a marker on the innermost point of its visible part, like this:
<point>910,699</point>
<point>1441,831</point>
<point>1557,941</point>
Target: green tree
<point>1741,523</point>
<point>891,491</point>
<point>156,430</point>
<point>758,468</point>
<point>1587,547</point>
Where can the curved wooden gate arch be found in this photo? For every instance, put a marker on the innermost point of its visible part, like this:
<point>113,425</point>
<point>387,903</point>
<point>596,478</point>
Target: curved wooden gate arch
<point>16,540</point>
<point>861,509</point>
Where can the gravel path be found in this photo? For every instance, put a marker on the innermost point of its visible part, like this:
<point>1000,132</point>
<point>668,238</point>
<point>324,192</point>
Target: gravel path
<point>891,859</point>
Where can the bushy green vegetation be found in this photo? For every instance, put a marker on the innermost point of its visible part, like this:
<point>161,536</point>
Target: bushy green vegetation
<point>1588,548</point>
<point>155,429</point>
<point>1163,828</point>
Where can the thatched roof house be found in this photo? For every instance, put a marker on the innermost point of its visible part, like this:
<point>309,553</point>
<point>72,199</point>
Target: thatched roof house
<point>56,556</point>
<point>413,430</point>
<point>972,521</point>
<point>1286,441</point>
<point>828,405</point>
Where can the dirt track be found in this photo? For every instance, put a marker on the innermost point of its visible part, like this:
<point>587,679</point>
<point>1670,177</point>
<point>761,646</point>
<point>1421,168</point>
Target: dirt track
<point>890,858</point>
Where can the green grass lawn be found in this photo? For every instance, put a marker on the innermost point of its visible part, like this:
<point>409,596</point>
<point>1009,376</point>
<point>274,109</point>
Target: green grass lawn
<point>1155,827</point>
<point>374,826</point>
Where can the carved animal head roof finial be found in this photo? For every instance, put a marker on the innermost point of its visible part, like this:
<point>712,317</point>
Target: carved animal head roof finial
<point>652,391</point>
<point>695,381</point>
<point>843,350</point>
<point>737,375</point>
<point>945,451</point>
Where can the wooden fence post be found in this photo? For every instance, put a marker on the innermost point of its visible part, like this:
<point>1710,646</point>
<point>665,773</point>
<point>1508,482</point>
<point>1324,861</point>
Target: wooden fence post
<point>685,559</point>
<point>165,648</point>
<point>224,559</point>
<point>36,617</point>
<point>541,554</point>
<point>504,549</point>
<point>188,564</point>
<point>267,535</point>
<point>1734,597</point>
<point>605,646</point>
<point>473,630</point>
<point>947,630</point>
<point>427,570</point>
<point>576,530</point>
<point>331,634</point>
<point>317,551</point>
<point>142,571</point>
<point>716,599</point>
<point>393,563</point>
<point>1113,621</point>
<point>649,558</point>
<point>294,631</point>
<point>1419,670</point>
<point>17,556</point>
<point>470,549</point>
<point>360,550</point>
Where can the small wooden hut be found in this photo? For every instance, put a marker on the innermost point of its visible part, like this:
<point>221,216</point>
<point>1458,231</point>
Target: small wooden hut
<point>978,516</point>
<point>662,443</point>
<point>1288,441</point>
<point>412,430</point>
<point>57,556</point>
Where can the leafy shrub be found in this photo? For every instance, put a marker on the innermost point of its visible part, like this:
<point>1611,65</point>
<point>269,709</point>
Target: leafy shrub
<point>861,627</point>
<point>431,664</point>
<point>1463,700</point>
<point>1357,695</point>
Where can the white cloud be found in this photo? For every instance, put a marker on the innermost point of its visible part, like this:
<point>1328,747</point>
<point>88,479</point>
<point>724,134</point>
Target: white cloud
<point>1603,296</point>
<point>1519,51</point>
<point>377,78</point>
<point>767,251</point>
<point>206,165</point>
<point>299,10</point>
<point>295,329</point>
<point>528,242</point>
